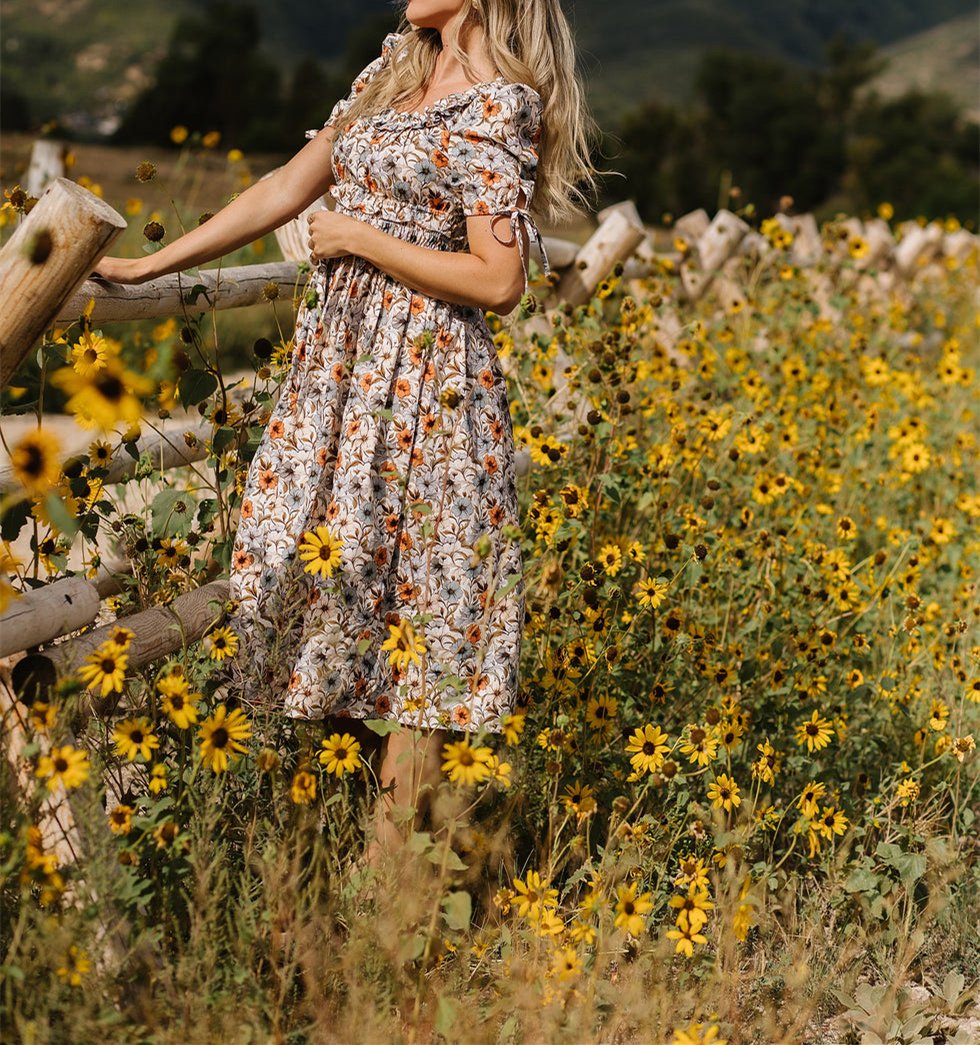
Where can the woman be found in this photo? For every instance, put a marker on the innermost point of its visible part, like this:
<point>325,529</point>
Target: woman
<point>376,569</point>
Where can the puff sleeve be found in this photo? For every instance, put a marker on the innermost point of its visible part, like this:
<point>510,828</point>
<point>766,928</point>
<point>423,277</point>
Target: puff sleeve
<point>498,157</point>
<point>361,81</point>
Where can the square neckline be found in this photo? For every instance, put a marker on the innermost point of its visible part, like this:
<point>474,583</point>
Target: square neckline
<point>445,98</point>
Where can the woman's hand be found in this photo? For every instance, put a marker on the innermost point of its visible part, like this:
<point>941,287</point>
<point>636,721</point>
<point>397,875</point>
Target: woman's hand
<point>330,234</point>
<point>123,270</point>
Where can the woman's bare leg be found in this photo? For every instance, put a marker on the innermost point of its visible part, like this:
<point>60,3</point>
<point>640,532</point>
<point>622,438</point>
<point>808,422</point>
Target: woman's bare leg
<point>412,763</point>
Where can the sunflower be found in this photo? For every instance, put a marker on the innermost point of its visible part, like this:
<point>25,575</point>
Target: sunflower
<point>686,939</point>
<point>611,557</point>
<point>647,747</point>
<point>600,712</point>
<point>35,461</point>
<point>723,793</point>
<point>809,798</point>
<point>340,754</point>
<point>701,745</point>
<point>651,591</point>
<point>533,895</point>
<point>222,735</point>
<point>692,909</point>
<point>76,965</point>
<point>134,738</point>
<point>105,667</point>
<point>698,1033</point>
<point>221,643</point>
<point>104,397</point>
<point>92,352</point>
<point>321,551</point>
<point>178,704</point>
<point>66,765</point>
<point>404,645</point>
<point>303,789</point>
<point>121,819</point>
<point>631,908</point>
<point>158,779</point>
<point>831,821</point>
<point>815,732</point>
<point>43,715</point>
<point>465,764</point>
<point>512,726</point>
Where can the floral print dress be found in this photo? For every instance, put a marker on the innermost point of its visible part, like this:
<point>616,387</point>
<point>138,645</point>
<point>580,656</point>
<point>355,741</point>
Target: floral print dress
<point>393,431</point>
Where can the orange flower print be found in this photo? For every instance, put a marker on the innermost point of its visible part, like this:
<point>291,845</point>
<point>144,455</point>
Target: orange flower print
<point>394,433</point>
<point>241,559</point>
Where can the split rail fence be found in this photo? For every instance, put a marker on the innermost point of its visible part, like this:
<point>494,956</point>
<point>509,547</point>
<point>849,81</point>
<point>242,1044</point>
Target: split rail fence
<point>44,270</point>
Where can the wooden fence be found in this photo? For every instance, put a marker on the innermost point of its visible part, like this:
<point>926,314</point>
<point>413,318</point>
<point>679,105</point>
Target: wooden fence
<point>44,269</point>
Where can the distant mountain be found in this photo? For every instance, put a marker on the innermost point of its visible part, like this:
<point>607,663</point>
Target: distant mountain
<point>943,58</point>
<point>85,60</point>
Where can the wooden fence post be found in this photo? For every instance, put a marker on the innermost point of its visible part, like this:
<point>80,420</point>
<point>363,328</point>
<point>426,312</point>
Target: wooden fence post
<point>614,240</point>
<point>232,287</point>
<point>158,631</point>
<point>47,163</point>
<point>47,257</point>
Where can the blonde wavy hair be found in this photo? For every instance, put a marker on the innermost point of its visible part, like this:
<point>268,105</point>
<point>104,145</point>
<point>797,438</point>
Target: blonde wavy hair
<point>529,41</point>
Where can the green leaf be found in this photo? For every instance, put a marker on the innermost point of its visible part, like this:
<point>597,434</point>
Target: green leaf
<point>172,512</point>
<point>224,437</point>
<point>509,584</point>
<point>195,386</point>
<point>14,519</point>
<point>60,516</point>
<point>457,907</point>
<point>382,726</point>
<point>861,881</point>
<point>446,1016</point>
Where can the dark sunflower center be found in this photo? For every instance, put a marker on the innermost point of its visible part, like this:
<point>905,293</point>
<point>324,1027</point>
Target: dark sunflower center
<point>110,387</point>
<point>35,461</point>
<point>61,765</point>
<point>219,738</point>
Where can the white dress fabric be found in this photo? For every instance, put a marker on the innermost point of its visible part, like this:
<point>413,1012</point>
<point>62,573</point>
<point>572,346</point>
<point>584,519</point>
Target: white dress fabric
<point>393,430</point>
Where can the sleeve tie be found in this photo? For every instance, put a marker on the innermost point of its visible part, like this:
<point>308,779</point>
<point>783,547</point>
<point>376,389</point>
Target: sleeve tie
<point>516,213</point>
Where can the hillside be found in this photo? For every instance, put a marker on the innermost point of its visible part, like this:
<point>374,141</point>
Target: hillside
<point>84,60</point>
<point>943,58</point>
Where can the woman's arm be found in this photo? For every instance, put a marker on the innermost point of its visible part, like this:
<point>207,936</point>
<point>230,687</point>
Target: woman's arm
<point>491,275</point>
<point>261,208</point>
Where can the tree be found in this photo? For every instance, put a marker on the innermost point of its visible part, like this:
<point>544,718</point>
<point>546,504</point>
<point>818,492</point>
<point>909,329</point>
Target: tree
<point>213,77</point>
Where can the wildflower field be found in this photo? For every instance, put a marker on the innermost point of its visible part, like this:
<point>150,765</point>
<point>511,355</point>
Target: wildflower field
<point>737,803</point>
